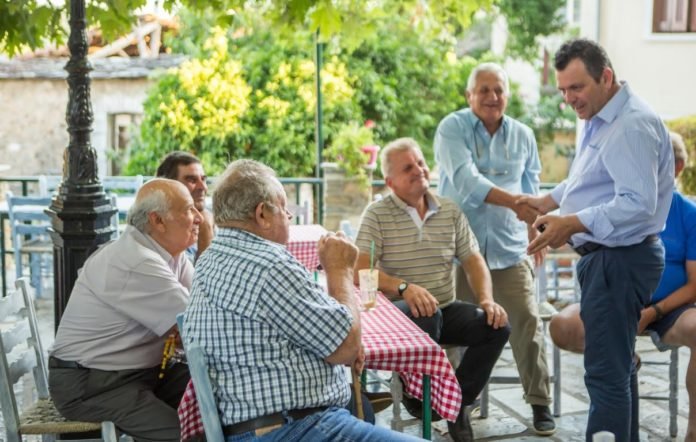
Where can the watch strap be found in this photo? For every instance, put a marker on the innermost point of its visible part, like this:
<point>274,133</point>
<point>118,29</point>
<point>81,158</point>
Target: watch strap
<point>659,313</point>
<point>402,288</point>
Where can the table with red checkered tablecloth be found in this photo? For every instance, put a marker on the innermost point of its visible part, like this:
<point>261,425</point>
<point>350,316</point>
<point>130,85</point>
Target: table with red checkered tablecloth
<point>392,342</point>
<point>302,243</point>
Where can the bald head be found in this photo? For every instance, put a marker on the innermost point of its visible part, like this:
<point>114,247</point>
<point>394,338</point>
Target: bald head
<point>157,195</point>
<point>164,210</point>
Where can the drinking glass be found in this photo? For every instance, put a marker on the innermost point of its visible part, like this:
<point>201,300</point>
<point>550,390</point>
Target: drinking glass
<point>368,288</point>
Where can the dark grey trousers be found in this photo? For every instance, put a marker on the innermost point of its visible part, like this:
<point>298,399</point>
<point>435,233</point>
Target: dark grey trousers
<point>137,401</point>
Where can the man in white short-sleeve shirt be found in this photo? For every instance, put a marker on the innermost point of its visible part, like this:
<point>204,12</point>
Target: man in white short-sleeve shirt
<point>105,363</point>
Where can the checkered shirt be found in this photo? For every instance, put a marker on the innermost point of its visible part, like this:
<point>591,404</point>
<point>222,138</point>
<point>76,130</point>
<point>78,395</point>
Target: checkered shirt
<point>265,327</point>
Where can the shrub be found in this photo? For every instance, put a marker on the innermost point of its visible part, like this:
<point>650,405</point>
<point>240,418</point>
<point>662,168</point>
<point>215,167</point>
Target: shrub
<point>686,127</point>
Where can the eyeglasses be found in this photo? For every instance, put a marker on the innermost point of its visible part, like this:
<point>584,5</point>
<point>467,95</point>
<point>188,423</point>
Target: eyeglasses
<point>491,171</point>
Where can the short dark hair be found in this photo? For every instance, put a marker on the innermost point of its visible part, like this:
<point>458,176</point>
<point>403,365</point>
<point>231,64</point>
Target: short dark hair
<point>169,167</point>
<point>589,52</point>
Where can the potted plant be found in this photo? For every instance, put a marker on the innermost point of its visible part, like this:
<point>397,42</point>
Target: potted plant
<point>354,151</point>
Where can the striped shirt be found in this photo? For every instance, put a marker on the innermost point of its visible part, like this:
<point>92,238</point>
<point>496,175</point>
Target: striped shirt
<point>620,183</point>
<point>265,327</point>
<point>419,255</point>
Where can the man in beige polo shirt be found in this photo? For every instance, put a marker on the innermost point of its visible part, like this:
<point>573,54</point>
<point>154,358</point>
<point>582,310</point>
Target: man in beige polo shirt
<point>417,236</point>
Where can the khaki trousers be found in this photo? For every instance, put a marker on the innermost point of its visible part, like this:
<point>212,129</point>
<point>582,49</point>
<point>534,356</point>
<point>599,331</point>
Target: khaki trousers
<point>513,289</point>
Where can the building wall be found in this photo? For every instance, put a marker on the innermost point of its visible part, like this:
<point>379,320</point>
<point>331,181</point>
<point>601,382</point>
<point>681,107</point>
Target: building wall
<point>659,68</point>
<point>33,130</point>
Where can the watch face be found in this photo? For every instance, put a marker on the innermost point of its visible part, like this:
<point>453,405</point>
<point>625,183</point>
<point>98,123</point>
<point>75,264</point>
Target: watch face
<point>402,287</point>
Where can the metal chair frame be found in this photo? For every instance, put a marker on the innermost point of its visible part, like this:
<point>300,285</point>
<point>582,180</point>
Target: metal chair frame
<point>672,396</point>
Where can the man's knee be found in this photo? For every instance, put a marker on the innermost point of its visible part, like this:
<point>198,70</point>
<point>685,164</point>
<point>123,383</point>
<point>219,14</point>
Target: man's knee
<point>432,325</point>
<point>567,330</point>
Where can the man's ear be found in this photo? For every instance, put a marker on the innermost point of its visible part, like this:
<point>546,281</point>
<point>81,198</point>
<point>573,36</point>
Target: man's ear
<point>607,77</point>
<point>388,182</point>
<point>156,221</point>
<point>260,215</point>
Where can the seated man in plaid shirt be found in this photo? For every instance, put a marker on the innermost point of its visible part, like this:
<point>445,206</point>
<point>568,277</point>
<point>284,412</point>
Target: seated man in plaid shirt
<point>415,237</point>
<point>275,341</point>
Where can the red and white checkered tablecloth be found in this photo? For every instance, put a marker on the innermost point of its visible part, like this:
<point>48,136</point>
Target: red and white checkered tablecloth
<point>392,342</point>
<point>302,243</point>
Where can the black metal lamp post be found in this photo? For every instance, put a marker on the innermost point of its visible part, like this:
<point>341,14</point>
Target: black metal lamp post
<point>81,212</point>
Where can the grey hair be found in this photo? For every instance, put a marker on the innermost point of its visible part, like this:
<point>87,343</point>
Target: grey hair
<point>155,201</point>
<point>494,68</point>
<point>679,147</point>
<point>398,145</point>
<point>243,185</point>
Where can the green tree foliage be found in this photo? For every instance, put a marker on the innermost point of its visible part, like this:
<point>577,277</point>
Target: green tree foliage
<point>404,83</point>
<point>528,20</point>
<point>30,23</point>
<point>264,100</point>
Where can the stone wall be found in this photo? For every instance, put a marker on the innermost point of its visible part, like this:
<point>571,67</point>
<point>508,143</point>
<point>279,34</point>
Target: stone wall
<point>33,130</point>
<point>344,198</point>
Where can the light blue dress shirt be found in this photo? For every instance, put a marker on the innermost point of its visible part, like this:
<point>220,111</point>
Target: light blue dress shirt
<point>471,162</point>
<point>620,184</point>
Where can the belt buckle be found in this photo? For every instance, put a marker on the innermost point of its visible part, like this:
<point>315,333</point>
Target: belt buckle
<point>265,430</point>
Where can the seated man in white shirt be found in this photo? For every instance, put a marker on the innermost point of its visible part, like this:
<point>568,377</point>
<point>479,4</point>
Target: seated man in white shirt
<point>105,363</point>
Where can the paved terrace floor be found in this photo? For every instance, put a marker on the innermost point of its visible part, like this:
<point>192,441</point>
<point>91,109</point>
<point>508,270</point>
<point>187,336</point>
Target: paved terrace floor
<point>509,417</point>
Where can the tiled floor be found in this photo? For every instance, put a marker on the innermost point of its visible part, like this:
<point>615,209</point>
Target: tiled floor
<point>509,417</point>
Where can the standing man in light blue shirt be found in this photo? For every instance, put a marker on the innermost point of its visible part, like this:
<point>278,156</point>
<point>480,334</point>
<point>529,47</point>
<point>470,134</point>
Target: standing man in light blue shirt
<point>487,160</point>
<point>612,206</point>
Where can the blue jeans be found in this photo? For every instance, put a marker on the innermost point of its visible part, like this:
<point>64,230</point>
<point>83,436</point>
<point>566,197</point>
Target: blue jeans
<point>464,324</point>
<point>616,284</point>
<point>334,424</point>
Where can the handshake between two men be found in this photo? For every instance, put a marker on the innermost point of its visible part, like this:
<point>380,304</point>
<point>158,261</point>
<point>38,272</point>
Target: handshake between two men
<point>544,229</point>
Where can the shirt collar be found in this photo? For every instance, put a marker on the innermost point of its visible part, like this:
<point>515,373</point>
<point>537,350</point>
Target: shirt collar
<point>168,258</point>
<point>611,110</point>
<point>476,122</point>
<point>433,202</point>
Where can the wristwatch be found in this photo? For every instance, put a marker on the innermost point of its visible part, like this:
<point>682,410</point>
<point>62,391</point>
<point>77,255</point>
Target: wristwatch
<point>659,314</point>
<point>402,288</point>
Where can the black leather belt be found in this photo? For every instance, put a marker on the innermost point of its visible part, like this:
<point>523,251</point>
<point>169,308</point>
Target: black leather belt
<point>269,422</point>
<point>59,363</point>
<point>590,247</point>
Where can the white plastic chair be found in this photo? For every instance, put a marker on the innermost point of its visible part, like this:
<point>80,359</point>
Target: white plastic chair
<point>21,353</point>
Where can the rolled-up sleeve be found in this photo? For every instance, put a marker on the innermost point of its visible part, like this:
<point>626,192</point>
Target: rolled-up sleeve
<point>457,165</point>
<point>532,168</point>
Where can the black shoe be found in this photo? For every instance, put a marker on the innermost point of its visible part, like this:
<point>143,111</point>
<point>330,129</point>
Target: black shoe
<point>415,408</point>
<point>461,430</point>
<point>544,425</point>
